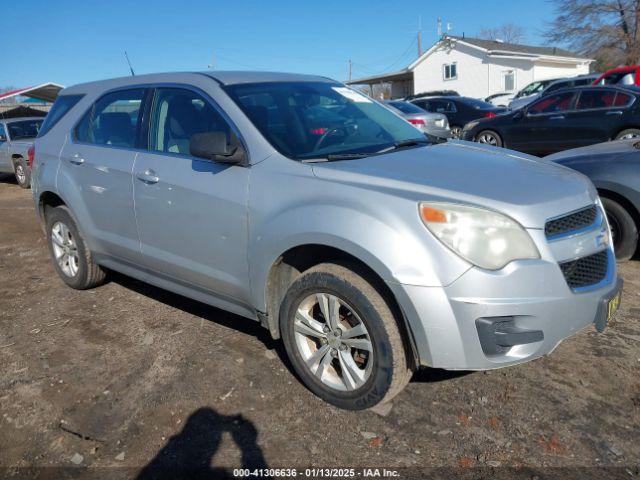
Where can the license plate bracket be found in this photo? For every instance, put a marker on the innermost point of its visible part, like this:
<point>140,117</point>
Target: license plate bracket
<point>608,307</point>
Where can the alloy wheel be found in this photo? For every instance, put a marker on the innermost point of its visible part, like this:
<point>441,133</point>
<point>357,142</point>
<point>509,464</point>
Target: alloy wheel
<point>456,132</point>
<point>65,249</point>
<point>20,174</point>
<point>488,138</point>
<point>333,341</point>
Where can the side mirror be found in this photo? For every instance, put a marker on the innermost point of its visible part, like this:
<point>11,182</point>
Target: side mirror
<point>518,114</point>
<point>217,146</point>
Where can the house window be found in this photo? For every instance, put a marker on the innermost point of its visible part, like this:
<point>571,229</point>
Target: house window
<point>509,80</point>
<point>450,71</point>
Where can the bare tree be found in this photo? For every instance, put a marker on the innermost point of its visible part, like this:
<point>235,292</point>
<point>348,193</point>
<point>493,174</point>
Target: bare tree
<point>508,33</point>
<point>607,30</point>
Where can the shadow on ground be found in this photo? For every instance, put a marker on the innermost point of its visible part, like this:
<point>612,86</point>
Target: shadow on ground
<point>188,455</point>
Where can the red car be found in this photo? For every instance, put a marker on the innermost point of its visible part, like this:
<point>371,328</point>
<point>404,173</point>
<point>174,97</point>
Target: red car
<point>620,76</point>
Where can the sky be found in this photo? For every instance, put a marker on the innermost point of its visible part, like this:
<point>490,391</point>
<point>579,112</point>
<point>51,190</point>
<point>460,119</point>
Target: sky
<point>72,42</point>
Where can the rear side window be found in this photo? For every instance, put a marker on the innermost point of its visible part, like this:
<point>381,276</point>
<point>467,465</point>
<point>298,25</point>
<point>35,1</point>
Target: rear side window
<point>113,120</point>
<point>406,107</point>
<point>552,104</point>
<point>62,105</point>
<point>594,99</point>
<point>622,99</point>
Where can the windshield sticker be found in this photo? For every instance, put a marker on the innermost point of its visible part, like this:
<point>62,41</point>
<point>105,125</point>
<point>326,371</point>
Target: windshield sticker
<point>352,95</point>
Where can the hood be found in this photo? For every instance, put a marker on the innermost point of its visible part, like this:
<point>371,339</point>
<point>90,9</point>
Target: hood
<point>523,187</point>
<point>612,149</point>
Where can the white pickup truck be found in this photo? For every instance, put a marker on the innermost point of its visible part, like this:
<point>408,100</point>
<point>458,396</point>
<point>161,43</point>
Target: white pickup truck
<point>16,137</point>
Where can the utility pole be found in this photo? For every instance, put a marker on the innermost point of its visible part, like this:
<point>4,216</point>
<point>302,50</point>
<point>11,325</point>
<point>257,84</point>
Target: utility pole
<point>419,36</point>
<point>350,69</point>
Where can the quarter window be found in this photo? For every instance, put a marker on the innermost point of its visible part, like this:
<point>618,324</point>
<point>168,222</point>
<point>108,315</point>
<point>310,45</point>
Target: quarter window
<point>552,104</point>
<point>61,106</point>
<point>179,114</point>
<point>113,120</point>
<point>622,100</point>
<point>594,99</point>
<point>450,71</point>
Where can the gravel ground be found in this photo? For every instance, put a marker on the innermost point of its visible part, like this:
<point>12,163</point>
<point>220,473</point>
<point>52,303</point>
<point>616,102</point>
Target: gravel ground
<point>127,379</point>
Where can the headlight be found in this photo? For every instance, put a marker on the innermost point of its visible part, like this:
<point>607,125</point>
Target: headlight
<point>485,238</point>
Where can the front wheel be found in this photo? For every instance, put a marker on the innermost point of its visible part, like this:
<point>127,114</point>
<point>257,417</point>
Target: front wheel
<point>342,338</point>
<point>456,132</point>
<point>628,134</point>
<point>489,137</point>
<point>23,173</point>
<point>623,229</point>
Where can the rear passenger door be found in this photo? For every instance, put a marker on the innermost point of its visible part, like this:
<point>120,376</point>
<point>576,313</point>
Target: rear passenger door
<point>191,212</point>
<point>95,172</point>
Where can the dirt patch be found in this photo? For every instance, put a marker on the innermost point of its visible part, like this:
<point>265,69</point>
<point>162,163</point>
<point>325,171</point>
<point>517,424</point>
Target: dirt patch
<point>127,375</point>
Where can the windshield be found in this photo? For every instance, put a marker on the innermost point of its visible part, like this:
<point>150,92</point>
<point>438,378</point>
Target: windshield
<point>24,129</point>
<point>620,78</point>
<point>477,104</point>
<point>406,107</point>
<point>305,120</point>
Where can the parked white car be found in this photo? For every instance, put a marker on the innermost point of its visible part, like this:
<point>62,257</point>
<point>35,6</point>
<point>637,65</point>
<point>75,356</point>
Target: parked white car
<point>500,99</point>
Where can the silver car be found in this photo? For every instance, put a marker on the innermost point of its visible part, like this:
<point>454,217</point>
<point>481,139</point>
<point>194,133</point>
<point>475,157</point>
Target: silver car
<point>16,138</point>
<point>434,124</point>
<point>299,203</point>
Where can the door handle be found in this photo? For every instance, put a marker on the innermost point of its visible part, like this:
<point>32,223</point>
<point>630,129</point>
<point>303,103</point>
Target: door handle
<point>614,112</point>
<point>76,159</point>
<point>557,117</point>
<point>148,176</point>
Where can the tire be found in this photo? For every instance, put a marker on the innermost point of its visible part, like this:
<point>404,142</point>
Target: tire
<point>456,132</point>
<point>22,173</point>
<point>628,133</point>
<point>623,229</point>
<point>489,137</point>
<point>382,370</point>
<point>77,269</point>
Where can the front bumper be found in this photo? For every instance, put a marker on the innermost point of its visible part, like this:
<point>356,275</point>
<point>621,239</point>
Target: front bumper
<point>525,296</point>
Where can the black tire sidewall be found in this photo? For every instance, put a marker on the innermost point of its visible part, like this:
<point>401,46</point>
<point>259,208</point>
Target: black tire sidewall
<point>378,383</point>
<point>626,131</point>
<point>61,214</point>
<point>27,173</point>
<point>628,234</point>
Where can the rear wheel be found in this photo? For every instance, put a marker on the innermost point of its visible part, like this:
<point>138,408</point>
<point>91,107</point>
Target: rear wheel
<point>71,256</point>
<point>489,137</point>
<point>623,229</point>
<point>628,133</point>
<point>342,338</point>
<point>456,132</point>
<point>22,172</point>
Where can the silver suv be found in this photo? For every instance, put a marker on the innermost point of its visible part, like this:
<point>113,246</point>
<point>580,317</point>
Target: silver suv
<point>302,204</point>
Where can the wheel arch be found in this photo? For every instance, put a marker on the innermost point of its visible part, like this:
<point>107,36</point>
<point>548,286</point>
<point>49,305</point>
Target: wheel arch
<point>294,261</point>
<point>622,129</point>
<point>623,201</point>
<point>48,199</point>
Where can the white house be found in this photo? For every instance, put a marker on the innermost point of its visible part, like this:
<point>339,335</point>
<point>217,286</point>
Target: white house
<point>478,68</point>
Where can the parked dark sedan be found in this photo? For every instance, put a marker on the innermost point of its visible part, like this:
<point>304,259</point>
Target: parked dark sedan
<point>459,110</point>
<point>614,168</point>
<point>570,118</point>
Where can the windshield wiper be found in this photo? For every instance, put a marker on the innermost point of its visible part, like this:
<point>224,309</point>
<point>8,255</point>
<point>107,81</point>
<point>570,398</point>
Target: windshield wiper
<point>346,156</point>
<point>414,142</point>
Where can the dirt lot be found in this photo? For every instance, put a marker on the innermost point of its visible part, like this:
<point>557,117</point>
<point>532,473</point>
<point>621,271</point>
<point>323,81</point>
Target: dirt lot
<point>128,376</point>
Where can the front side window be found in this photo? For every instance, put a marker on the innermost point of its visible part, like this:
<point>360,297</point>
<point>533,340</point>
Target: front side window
<point>594,99</point>
<point>305,120</point>
<point>552,104</point>
<point>24,129</point>
<point>450,71</point>
<point>178,115</point>
<point>113,120</point>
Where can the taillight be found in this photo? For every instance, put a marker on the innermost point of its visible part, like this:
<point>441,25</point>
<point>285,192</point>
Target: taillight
<point>318,131</point>
<point>416,121</point>
<point>489,115</point>
<point>31,155</point>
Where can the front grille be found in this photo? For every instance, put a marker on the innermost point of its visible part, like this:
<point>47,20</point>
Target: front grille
<point>586,271</point>
<point>572,222</point>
